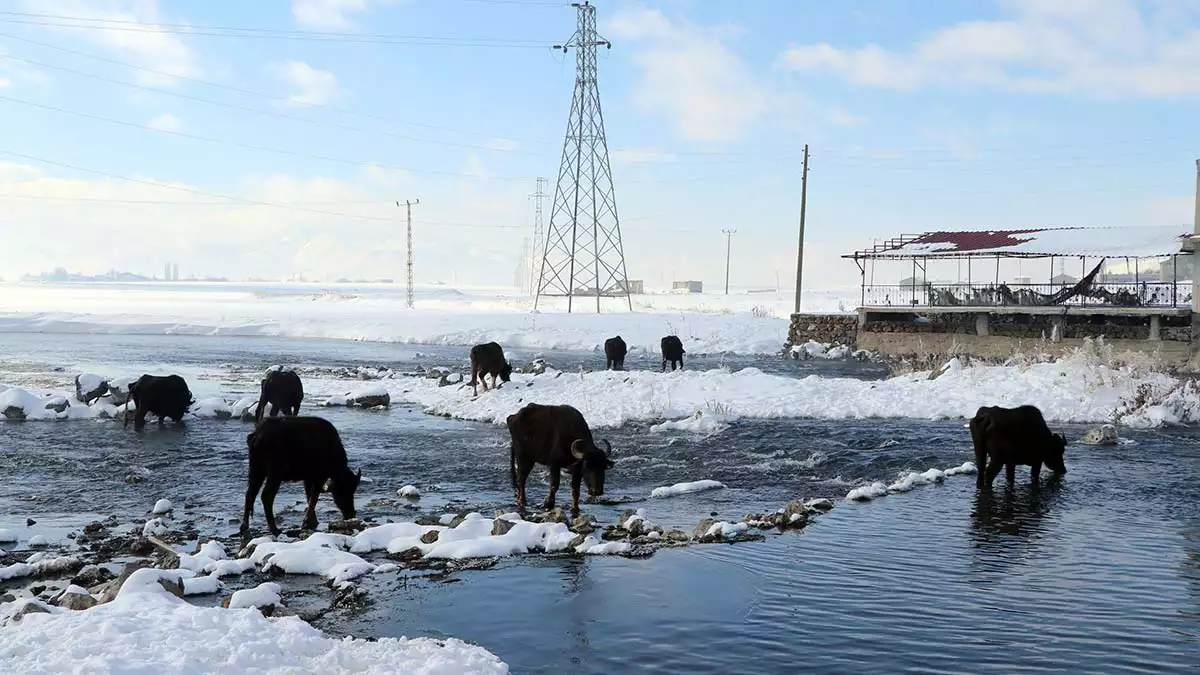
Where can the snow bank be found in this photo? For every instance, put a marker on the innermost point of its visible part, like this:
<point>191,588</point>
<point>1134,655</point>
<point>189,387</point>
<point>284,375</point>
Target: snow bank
<point>7,536</point>
<point>709,323</point>
<point>320,554</point>
<point>38,565</point>
<point>816,350</point>
<point>685,488</point>
<point>263,595</point>
<point>907,481</point>
<point>146,629</point>
<point>1080,388</point>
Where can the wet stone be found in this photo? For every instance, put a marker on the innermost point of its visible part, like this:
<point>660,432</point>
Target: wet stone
<point>584,524</point>
<point>432,536</point>
<point>614,534</point>
<point>30,522</point>
<point>141,546</point>
<point>347,526</point>
<point>677,535</point>
<point>92,576</point>
<point>407,555</point>
<point>500,527</point>
<point>92,529</point>
<point>577,541</point>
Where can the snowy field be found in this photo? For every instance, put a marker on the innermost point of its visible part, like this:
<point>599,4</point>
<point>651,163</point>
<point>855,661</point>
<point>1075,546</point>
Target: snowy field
<point>747,321</point>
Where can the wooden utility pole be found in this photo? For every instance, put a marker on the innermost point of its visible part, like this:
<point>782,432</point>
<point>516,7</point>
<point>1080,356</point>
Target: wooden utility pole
<point>800,250</point>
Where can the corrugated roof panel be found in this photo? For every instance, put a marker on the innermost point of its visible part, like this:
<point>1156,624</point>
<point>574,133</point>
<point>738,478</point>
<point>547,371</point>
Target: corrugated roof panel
<point>1114,242</point>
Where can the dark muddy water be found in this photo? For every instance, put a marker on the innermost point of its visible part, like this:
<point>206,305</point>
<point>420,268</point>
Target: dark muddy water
<point>1096,572</point>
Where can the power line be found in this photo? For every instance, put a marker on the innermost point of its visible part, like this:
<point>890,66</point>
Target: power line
<point>271,113</point>
<point>242,200</point>
<point>251,146</point>
<point>91,23</point>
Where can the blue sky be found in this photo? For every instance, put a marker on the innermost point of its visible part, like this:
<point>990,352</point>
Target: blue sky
<point>921,114</point>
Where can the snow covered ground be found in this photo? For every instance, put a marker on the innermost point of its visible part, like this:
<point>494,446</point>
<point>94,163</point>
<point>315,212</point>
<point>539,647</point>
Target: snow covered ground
<point>1082,388</point>
<point>745,322</point>
<point>146,629</point>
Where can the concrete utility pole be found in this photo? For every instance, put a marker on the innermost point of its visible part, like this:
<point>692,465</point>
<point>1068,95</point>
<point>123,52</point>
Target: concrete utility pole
<point>409,204</point>
<point>800,251</point>
<point>1196,253</point>
<point>728,235</point>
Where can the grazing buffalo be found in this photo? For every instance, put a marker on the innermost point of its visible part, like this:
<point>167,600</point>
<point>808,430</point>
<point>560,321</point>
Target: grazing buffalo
<point>1006,437</point>
<point>614,353</point>
<point>295,449</point>
<point>558,437</point>
<point>167,396</point>
<point>488,359</point>
<point>283,390</point>
<point>672,350</point>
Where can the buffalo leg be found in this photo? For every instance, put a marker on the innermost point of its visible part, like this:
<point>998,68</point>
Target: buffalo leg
<point>312,490</point>
<point>980,466</point>
<point>1010,472</point>
<point>253,485</point>
<point>268,502</point>
<point>274,410</point>
<point>554,479</point>
<point>523,469</point>
<point>993,470</point>
<point>1035,472</point>
<point>139,419</point>
<point>576,480</point>
<point>664,365</point>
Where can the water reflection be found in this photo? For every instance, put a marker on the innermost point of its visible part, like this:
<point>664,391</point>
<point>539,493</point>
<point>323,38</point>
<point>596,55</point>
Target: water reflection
<point>1007,525</point>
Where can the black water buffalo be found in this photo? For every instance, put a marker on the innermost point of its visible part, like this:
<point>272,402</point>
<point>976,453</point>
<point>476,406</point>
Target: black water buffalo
<point>672,350</point>
<point>558,437</point>
<point>488,359</point>
<point>293,449</point>
<point>164,396</point>
<point>283,390</point>
<point>614,353</point>
<point>1006,437</point>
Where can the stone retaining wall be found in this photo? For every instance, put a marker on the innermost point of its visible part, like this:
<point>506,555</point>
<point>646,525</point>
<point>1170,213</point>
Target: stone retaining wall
<point>839,329</point>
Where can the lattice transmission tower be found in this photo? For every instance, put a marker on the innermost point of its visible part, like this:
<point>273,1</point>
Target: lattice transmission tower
<point>583,255</point>
<point>539,235</point>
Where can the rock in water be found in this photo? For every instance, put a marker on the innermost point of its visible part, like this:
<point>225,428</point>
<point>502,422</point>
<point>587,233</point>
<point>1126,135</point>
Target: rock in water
<point>89,387</point>
<point>58,404</point>
<point>14,413</point>
<point>584,524</point>
<point>701,532</point>
<point>1105,434</point>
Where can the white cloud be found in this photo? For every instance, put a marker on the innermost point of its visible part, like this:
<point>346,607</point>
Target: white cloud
<point>166,122</point>
<point>148,46</point>
<point>1102,47</point>
<point>310,86</point>
<point>503,145</point>
<point>330,13</point>
<point>690,76</point>
<point>336,227</point>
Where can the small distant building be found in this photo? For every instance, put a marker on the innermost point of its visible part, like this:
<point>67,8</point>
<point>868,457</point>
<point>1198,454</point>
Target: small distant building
<point>633,286</point>
<point>689,286</point>
<point>1063,280</point>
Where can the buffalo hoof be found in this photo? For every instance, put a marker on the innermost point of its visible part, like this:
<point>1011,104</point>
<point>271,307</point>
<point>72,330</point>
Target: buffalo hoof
<point>309,524</point>
<point>548,504</point>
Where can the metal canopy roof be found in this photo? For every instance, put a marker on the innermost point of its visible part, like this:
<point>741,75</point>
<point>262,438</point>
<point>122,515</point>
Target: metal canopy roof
<point>1094,242</point>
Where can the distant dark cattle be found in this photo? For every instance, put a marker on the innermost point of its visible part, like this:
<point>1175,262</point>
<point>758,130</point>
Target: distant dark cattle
<point>488,359</point>
<point>614,353</point>
<point>283,390</point>
<point>558,437</point>
<point>1006,437</point>
<point>293,449</point>
<point>672,351</point>
<point>167,396</point>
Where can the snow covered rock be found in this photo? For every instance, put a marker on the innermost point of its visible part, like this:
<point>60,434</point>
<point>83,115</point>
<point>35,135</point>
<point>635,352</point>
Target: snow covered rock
<point>75,598</point>
<point>89,387</point>
<point>409,491</point>
<point>685,488</point>
<point>369,397</point>
<point>162,507</point>
<point>118,389</point>
<point>1105,434</point>
<point>264,597</point>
